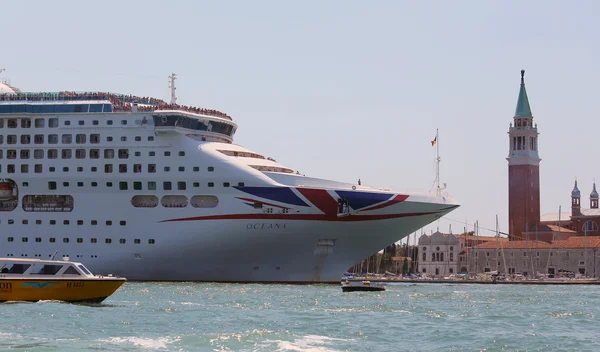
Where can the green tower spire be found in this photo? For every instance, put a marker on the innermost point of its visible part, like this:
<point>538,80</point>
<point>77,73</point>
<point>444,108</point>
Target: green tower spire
<point>523,109</point>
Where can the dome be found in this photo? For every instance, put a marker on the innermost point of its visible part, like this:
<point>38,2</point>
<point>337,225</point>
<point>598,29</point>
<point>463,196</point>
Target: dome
<point>575,192</point>
<point>594,194</point>
<point>6,89</point>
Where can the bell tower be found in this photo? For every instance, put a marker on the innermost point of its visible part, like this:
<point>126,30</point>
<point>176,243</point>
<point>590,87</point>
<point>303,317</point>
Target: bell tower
<point>575,201</point>
<point>523,170</point>
<point>594,198</point>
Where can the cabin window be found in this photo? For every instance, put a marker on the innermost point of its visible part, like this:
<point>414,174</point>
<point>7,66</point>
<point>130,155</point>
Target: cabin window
<point>108,168</point>
<point>80,153</point>
<point>24,168</point>
<point>182,153</point>
<point>122,241</point>
<point>122,168</point>
<point>211,184</point>
<point>166,185</point>
<point>150,138</point>
<point>196,168</point>
<point>107,240</point>
<point>94,153</point>
<point>52,138</point>
<point>123,139</point>
<point>84,269</point>
<point>151,168</point>
<point>25,139</point>
<point>211,168</point>
<point>39,123</point>
<point>67,123</point>
<point>181,185</point>
<point>167,153</point>
<point>94,138</point>
<point>123,185</point>
<point>151,241</point>
<point>66,153</point>
<point>123,153</point>
<point>109,153</point>
<point>182,168</point>
<point>71,271</point>
<point>49,269</point>
<point>151,186</point>
<point>137,241</point>
<point>9,268</point>
<point>137,185</point>
<point>93,240</point>
<point>137,168</point>
<point>138,138</point>
<point>53,122</point>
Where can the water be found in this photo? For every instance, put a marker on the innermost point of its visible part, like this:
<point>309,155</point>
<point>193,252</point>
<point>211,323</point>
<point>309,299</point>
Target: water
<point>230,317</point>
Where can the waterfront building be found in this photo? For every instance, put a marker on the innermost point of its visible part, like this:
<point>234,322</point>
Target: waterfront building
<point>523,170</point>
<point>575,255</point>
<point>442,254</point>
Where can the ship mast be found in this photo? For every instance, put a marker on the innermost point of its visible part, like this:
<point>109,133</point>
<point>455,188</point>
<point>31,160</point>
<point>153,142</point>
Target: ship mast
<point>172,79</point>
<point>438,188</point>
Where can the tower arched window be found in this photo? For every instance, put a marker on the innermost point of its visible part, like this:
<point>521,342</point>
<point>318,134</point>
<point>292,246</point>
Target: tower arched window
<point>424,257</point>
<point>590,226</point>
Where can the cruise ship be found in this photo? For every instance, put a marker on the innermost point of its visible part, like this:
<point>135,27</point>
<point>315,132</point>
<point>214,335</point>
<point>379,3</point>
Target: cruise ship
<point>154,190</point>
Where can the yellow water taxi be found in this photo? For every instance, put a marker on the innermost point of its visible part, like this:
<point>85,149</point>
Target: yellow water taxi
<point>23,279</point>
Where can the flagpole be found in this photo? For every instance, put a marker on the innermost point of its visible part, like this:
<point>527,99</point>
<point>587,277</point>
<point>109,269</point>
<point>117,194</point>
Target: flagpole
<point>437,159</point>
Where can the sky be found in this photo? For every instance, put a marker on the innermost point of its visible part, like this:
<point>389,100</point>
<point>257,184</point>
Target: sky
<point>346,89</point>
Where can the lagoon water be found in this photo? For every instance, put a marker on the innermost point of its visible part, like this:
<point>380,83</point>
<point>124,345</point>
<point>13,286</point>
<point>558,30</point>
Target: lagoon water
<point>253,317</point>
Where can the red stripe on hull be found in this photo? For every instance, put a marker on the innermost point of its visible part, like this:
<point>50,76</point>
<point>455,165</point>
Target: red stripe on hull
<point>311,217</point>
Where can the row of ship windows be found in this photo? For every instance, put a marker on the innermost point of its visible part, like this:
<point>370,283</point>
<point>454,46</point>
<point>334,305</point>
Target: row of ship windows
<point>79,153</point>
<point>79,240</point>
<point>138,185</point>
<point>65,138</point>
<point>108,168</point>
<point>52,123</point>
<point>66,222</point>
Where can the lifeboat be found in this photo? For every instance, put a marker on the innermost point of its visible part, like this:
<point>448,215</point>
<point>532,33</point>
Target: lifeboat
<point>6,190</point>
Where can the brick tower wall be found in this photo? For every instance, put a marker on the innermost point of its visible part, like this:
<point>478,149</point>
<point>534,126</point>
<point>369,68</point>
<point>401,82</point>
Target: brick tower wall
<point>523,199</point>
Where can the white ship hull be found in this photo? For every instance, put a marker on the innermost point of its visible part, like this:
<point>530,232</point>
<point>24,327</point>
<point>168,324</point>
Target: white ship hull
<point>165,195</point>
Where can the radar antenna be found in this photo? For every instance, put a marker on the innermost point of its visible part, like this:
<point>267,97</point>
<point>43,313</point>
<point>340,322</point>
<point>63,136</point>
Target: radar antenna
<point>172,79</point>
